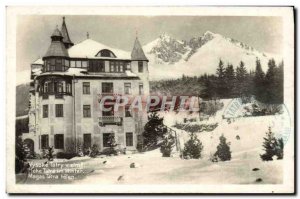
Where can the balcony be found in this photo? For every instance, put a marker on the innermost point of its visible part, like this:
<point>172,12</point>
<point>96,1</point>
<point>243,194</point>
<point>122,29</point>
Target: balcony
<point>110,120</point>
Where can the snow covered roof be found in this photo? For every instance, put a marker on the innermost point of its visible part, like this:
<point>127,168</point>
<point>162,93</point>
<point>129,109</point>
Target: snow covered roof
<point>89,49</point>
<point>80,72</point>
<point>39,61</point>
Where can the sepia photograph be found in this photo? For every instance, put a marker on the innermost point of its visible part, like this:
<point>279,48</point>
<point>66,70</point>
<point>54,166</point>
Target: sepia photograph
<point>150,100</point>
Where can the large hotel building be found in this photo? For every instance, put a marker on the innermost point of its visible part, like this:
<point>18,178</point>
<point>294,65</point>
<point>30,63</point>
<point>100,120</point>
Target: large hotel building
<point>67,86</point>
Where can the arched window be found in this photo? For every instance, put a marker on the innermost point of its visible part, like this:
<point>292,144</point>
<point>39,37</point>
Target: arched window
<point>106,53</point>
<point>46,86</point>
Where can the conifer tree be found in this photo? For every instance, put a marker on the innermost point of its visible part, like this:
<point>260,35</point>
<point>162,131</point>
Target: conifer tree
<point>259,82</point>
<point>271,87</point>
<point>221,83</point>
<point>20,156</point>
<point>279,149</point>
<point>223,149</point>
<point>241,80</point>
<point>167,145</point>
<point>229,80</point>
<point>153,131</point>
<point>269,146</point>
<point>192,148</point>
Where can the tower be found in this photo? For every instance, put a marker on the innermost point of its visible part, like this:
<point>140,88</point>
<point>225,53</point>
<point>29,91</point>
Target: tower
<point>139,65</point>
<point>66,38</point>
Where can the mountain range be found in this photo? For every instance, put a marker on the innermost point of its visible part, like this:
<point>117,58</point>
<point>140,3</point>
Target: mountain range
<point>171,58</point>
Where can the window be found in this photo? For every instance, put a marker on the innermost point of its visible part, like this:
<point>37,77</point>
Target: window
<point>58,66</point>
<point>127,111</point>
<point>59,110</point>
<point>58,86</point>
<point>141,89</point>
<point>87,141</point>
<point>46,87</point>
<point>129,139</point>
<point>116,66</point>
<point>86,110</point>
<point>105,53</point>
<point>73,64</point>
<point>78,64</point>
<point>67,63</point>
<point>107,87</point>
<point>59,141</point>
<point>128,66</point>
<point>127,88</point>
<point>112,66</point>
<point>86,88</point>
<point>96,66</point>
<point>84,64</point>
<point>140,63</point>
<point>45,111</point>
<point>107,138</point>
<point>45,141</point>
<point>68,88</point>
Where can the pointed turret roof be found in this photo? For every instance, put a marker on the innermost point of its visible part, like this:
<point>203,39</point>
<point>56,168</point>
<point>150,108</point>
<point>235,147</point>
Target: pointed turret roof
<point>65,34</point>
<point>137,52</point>
<point>57,47</point>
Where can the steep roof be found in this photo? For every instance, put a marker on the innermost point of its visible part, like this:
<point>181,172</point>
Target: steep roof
<point>57,47</point>
<point>56,33</point>
<point>137,52</point>
<point>65,33</point>
<point>89,49</point>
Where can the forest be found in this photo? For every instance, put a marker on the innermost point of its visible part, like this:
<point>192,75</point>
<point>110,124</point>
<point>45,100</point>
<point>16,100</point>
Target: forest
<point>229,82</point>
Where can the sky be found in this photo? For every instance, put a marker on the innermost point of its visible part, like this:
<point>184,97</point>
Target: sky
<point>33,32</point>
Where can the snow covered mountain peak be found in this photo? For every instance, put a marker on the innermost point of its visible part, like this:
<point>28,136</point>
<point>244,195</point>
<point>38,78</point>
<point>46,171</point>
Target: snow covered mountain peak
<point>165,50</point>
<point>165,37</point>
<point>210,34</point>
<point>199,55</point>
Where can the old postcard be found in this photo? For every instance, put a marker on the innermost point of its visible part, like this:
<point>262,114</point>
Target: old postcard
<point>150,100</point>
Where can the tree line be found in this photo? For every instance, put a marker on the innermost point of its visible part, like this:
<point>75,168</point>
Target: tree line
<point>231,83</point>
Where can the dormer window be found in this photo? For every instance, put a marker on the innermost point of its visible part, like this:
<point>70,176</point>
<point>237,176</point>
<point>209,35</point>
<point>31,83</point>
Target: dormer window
<point>106,53</point>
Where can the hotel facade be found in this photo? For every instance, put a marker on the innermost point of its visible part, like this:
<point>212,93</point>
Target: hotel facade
<point>67,85</point>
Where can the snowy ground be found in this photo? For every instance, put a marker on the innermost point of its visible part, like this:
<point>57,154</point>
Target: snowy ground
<point>154,169</point>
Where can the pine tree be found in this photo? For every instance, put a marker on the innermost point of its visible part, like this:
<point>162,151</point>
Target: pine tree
<point>223,149</point>
<point>20,156</point>
<point>229,80</point>
<point>279,82</point>
<point>209,90</point>
<point>259,82</point>
<point>279,149</point>
<point>241,80</point>
<point>271,84</point>
<point>167,145</point>
<point>153,131</point>
<point>269,145</point>
<point>221,83</point>
<point>192,148</point>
